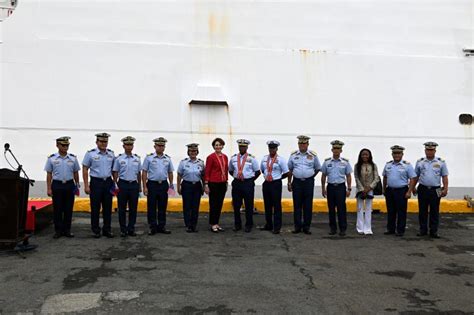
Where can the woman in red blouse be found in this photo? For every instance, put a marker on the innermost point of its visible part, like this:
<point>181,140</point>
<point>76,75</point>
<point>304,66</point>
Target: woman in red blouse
<point>215,182</point>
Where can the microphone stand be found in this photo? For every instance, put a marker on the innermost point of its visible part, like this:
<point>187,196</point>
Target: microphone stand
<point>20,167</point>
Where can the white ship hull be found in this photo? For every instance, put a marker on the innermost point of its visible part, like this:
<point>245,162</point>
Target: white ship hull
<point>369,73</point>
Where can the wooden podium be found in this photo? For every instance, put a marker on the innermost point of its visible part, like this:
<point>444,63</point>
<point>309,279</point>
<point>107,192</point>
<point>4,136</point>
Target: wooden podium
<point>14,191</point>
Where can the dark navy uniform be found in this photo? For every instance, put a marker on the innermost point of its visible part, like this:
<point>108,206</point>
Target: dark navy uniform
<point>245,169</point>
<point>157,168</point>
<point>429,172</point>
<point>304,166</point>
<point>336,171</point>
<point>127,175</point>
<point>397,176</point>
<point>62,169</point>
<point>191,172</point>
<point>274,170</point>
<point>102,187</point>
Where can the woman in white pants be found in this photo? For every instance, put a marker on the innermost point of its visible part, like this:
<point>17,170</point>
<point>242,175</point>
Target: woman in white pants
<point>366,175</point>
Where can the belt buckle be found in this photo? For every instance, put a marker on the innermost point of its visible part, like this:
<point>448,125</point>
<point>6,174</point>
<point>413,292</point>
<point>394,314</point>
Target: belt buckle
<point>302,179</point>
<point>64,181</point>
<point>160,182</point>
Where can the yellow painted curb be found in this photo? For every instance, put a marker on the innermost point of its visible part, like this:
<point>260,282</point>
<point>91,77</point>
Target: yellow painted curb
<point>319,205</point>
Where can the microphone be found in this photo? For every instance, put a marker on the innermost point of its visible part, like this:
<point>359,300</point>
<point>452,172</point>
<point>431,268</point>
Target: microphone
<point>7,147</point>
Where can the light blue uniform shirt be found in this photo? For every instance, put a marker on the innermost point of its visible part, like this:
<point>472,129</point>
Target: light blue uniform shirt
<point>304,165</point>
<point>99,163</point>
<point>251,166</point>
<point>398,173</point>
<point>127,166</point>
<point>280,167</point>
<point>336,170</point>
<point>430,172</point>
<point>62,167</point>
<point>191,171</point>
<point>157,167</point>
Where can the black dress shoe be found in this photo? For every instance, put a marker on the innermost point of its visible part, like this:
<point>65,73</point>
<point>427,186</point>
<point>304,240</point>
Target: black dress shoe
<point>296,231</point>
<point>248,229</point>
<point>194,229</point>
<point>421,234</point>
<point>68,234</point>
<point>434,235</point>
<point>189,229</point>
<point>132,233</point>
<point>57,235</point>
<point>108,234</point>
<point>399,234</point>
<point>237,228</point>
<point>152,232</point>
<point>307,231</point>
<point>342,233</point>
<point>276,232</point>
<point>332,232</point>
<point>266,228</point>
<point>388,232</point>
<point>123,234</point>
<point>163,231</point>
<point>96,235</point>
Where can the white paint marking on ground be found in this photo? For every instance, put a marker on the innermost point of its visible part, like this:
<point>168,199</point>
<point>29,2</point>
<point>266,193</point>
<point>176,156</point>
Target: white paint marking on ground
<point>66,303</point>
<point>120,296</point>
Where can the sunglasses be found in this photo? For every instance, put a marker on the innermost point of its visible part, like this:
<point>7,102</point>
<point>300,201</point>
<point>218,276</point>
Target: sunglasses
<point>64,145</point>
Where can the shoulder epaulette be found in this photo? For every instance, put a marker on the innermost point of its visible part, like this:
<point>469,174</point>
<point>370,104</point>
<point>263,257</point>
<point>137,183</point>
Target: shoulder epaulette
<point>312,152</point>
<point>73,155</point>
<point>327,159</point>
<point>440,159</point>
<point>120,154</point>
<point>167,156</point>
<point>234,155</point>
<point>200,160</point>
<point>108,150</point>
<point>405,162</point>
<point>149,154</point>
<point>251,155</point>
<point>51,155</point>
<point>93,149</point>
<point>136,155</point>
<point>344,159</point>
<point>294,152</point>
<point>421,159</point>
<point>389,161</point>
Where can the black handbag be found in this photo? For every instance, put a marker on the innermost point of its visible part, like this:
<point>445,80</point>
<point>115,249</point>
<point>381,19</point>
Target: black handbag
<point>378,189</point>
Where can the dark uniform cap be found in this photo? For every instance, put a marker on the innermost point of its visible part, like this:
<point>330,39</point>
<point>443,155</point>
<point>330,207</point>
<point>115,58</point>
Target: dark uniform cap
<point>303,139</point>
<point>160,140</point>
<point>102,136</point>
<point>273,144</point>
<point>128,140</point>
<point>63,140</point>
<point>193,146</point>
<point>430,145</point>
<point>397,148</point>
<point>243,142</point>
<point>336,144</point>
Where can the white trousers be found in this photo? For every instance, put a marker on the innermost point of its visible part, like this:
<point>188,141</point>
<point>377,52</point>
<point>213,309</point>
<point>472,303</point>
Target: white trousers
<point>364,216</point>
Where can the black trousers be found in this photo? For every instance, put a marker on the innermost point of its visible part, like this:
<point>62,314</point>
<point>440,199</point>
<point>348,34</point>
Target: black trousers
<point>303,192</point>
<point>100,196</point>
<point>428,199</point>
<point>191,194</point>
<point>396,209</point>
<point>216,199</point>
<point>272,200</point>
<point>157,197</point>
<point>63,202</point>
<point>243,189</point>
<point>127,196</point>
<point>336,197</point>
